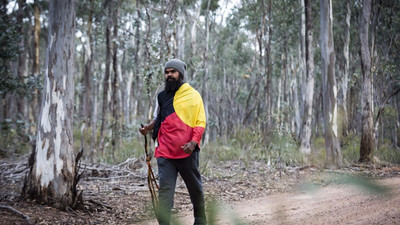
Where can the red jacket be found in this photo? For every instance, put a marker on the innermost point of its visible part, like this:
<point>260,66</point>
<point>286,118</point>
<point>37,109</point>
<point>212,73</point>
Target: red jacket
<point>182,118</point>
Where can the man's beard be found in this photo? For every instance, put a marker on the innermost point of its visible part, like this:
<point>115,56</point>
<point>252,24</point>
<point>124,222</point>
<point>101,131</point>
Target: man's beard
<point>172,85</point>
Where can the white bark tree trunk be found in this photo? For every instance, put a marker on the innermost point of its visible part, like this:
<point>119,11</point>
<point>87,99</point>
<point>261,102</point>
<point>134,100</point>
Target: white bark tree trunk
<point>306,128</point>
<point>53,172</point>
<point>34,106</point>
<point>329,89</point>
<point>302,66</point>
<point>295,98</point>
<point>367,136</point>
<point>180,29</point>
<point>345,79</point>
<point>268,66</point>
<point>193,46</point>
<point>86,98</point>
<point>204,91</point>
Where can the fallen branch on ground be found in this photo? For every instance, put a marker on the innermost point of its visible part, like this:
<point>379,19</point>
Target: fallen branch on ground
<point>26,218</point>
<point>100,203</point>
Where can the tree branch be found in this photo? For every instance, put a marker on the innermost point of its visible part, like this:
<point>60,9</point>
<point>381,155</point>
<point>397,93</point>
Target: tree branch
<point>384,103</point>
<point>27,219</point>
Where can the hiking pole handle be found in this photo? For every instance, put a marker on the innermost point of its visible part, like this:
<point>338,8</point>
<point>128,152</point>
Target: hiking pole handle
<point>145,146</point>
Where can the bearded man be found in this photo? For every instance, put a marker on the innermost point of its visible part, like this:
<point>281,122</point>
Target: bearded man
<point>178,124</point>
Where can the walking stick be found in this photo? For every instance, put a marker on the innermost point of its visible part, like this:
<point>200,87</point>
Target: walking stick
<point>151,179</point>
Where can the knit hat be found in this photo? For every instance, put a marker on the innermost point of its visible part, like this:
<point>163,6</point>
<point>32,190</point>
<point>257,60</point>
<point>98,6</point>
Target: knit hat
<point>178,65</point>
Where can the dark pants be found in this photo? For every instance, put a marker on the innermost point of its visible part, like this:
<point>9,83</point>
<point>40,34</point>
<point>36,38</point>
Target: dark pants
<point>188,168</point>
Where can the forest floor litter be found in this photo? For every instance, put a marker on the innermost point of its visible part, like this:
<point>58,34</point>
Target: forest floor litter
<point>236,193</point>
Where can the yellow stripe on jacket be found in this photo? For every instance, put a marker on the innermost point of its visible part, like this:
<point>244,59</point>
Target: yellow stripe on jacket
<point>188,105</point>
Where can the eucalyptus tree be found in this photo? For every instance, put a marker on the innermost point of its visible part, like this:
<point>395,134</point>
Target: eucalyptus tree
<point>268,59</point>
<point>257,19</point>
<point>34,107</point>
<point>367,135</point>
<point>193,42</point>
<point>52,177</point>
<point>306,128</point>
<point>329,89</point>
<point>231,69</point>
<point>285,44</point>
<point>344,48</point>
<point>108,5</point>
<point>345,79</point>
<point>386,74</point>
<point>299,98</point>
<point>116,83</point>
<point>87,106</point>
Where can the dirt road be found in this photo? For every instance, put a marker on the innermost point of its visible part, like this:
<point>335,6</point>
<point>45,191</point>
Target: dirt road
<point>333,204</point>
<point>245,193</point>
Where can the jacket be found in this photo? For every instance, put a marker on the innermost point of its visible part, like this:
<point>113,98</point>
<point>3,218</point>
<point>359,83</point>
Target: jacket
<point>180,119</point>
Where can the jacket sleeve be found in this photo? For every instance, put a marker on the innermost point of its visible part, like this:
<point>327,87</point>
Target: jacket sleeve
<point>156,109</point>
<point>157,117</point>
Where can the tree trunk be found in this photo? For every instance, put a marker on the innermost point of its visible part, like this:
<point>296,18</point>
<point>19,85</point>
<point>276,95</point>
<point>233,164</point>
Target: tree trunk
<point>193,47</point>
<point>86,102</point>
<point>329,89</point>
<point>4,64</point>
<point>87,76</point>
<point>21,58</point>
<point>34,107</point>
<point>36,37</point>
<point>395,132</point>
<point>295,100</point>
<point>115,141</point>
<point>148,60</point>
<point>90,87</point>
<point>135,87</point>
<point>306,128</point>
<point>106,81</point>
<point>367,136</point>
<point>205,67</point>
<point>345,79</point>
<point>302,67</point>
<point>285,90</point>
<point>375,64</point>
<point>278,101</point>
<point>180,26</point>
<point>52,177</point>
<point>268,67</point>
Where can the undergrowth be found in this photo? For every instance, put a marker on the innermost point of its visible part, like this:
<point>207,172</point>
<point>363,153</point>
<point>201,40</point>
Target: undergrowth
<point>273,147</point>
<point>15,138</point>
<point>132,145</point>
<point>384,152</point>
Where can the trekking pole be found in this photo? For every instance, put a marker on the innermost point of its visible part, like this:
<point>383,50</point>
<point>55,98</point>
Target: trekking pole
<point>151,179</point>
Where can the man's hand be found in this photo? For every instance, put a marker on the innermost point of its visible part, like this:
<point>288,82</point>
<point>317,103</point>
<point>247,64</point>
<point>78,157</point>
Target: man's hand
<point>143,130</point>
<point>189,147</point>
<point>148,127</point>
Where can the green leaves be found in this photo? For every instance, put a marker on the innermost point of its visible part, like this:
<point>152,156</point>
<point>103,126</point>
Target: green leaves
<point>214,5</point>
<point>9,39</point>
<point>15,85</point>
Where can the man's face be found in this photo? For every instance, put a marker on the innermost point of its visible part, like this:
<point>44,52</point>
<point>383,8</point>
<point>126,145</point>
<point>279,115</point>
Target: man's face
<point>171,74</point>
<point>172,79</point>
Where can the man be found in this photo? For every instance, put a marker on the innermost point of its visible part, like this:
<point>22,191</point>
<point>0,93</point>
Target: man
<point>178,126</point>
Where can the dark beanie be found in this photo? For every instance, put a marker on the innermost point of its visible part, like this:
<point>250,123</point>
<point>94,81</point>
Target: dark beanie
<point>176,64</point>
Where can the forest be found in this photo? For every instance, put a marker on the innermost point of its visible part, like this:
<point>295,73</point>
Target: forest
<point>285,84</point>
